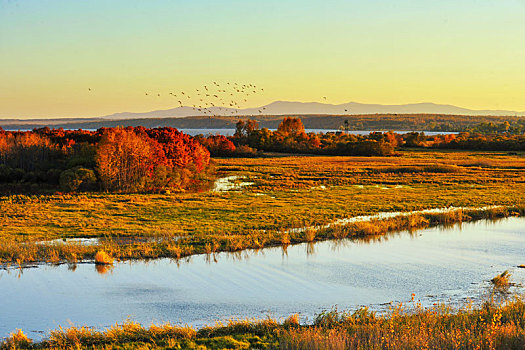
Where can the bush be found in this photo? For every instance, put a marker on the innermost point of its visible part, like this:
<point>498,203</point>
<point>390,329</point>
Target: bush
<point>103,258</point>
<point>245,151</point>
<point>77,179</point>
<point>8,174</point>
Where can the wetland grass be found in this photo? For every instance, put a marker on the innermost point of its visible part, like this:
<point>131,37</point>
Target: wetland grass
<point>209,243</point>
<point>103,258</point>
<point>502,281</point>
<point>410,326</point>
<point>284,199</point>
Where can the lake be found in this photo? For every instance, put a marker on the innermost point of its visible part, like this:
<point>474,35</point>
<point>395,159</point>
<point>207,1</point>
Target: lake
<point>230,132</point>
<point>438,264</point>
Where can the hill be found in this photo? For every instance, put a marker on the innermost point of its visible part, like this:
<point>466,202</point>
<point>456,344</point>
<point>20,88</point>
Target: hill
<point>306,108</point>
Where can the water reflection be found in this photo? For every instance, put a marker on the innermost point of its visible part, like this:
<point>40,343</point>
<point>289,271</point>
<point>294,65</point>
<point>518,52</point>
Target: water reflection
<point>103,269</point>
<point>437,264</point>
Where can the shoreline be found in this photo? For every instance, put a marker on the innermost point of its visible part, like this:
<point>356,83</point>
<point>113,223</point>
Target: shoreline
<point>358,227</point>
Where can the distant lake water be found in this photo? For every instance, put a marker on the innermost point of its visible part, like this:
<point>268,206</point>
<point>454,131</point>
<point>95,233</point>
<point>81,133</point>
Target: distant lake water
<point>230,132</point>
<point>440,264</point>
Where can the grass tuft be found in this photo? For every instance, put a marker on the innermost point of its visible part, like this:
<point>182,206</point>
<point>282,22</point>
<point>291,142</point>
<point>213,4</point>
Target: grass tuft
<point>501,281</point>
<point>103,258</point>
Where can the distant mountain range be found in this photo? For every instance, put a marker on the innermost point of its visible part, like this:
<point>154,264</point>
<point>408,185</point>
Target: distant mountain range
<point>305,108</point>
<point>419,116</point>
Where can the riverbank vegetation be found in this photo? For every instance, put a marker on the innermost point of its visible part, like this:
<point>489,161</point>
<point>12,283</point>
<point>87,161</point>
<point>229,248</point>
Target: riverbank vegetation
<point>410,326</point>
<point>284,193</point>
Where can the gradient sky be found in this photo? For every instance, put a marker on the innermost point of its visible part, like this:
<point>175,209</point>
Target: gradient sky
<point>469,53</point>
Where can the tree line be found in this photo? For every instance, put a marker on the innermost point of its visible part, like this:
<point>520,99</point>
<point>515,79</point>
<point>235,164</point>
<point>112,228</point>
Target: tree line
<point>154,159</point>
<point>360,122</point>
<point>290,137</point>
<point>111,159</point>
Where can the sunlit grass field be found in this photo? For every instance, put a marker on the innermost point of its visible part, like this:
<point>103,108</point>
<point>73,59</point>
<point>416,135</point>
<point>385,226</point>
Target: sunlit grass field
<point>287,192</point>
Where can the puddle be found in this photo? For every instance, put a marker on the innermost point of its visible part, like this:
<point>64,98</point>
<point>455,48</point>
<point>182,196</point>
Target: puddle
<point>229,183</point>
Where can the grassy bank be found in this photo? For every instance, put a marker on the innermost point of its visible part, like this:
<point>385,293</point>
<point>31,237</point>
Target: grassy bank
<point>404,327</point>
<point>55,253</point>
<point>287,193</point>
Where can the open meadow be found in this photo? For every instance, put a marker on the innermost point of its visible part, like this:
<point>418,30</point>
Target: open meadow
<point>260,204</point>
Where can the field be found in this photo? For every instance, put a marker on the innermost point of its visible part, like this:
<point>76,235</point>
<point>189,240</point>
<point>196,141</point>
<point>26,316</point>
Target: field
<point>287,192</point>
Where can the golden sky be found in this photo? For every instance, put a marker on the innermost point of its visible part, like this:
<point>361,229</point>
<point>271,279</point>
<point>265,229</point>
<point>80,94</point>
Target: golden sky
<point>469,53</point>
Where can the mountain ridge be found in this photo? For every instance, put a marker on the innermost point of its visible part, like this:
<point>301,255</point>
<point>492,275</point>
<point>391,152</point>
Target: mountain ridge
<point>306,108</point>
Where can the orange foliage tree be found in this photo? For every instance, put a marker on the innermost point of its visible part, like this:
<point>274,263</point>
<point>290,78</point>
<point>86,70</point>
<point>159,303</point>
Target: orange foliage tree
<point>291,127</point>
<point>125,159</point>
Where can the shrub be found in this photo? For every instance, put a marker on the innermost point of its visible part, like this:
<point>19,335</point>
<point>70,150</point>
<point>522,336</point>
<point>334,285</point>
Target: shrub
<point>77,179</point>
<point>103,258</point>
<point>16,340</point>
<point>8,174</point>
<point>245,151</point>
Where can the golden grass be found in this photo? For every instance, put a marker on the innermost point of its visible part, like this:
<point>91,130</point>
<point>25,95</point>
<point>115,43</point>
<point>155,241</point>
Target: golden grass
<point>288,192</point>
<point>213,242</point>
<point>502,281</point>
<point>16,340</point>
<point>103,258</point>
<point>411,326</point>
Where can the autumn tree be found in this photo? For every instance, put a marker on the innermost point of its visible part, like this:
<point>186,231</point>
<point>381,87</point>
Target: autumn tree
<point>181,150</point>
<point>26,150</point>
<point>291,127</point>
<point>125,159</point>
<point>218,145</point>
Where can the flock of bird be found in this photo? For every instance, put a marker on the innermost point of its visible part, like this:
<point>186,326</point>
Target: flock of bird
<point>216,98</point>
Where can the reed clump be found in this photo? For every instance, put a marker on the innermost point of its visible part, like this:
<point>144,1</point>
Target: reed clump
<point>291,321</point>
<point>309,235</point>
<point>103,258</point>
<point>501,281</point>
<point>16,340</point>
<point>285,239</point>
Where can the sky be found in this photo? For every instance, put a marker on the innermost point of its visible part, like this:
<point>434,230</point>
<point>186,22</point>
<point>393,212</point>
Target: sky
<point>469,53</point>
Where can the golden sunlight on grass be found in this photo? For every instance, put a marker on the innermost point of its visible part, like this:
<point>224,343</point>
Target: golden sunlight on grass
<point>103,258</point>
<point>288,193</point>
<point>490,326</point>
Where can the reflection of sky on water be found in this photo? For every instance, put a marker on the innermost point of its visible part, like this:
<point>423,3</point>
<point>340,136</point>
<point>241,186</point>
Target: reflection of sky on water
<point>437,264</point>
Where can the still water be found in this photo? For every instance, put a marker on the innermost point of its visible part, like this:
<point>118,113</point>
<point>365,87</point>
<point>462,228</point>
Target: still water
<point>437,264</point>
<point>230,132</point>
